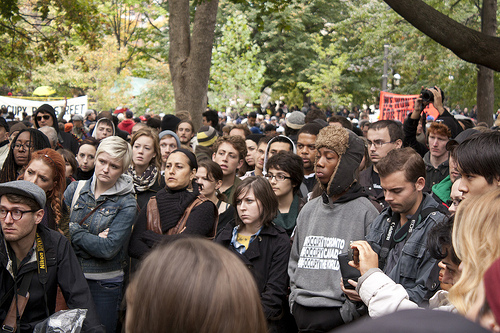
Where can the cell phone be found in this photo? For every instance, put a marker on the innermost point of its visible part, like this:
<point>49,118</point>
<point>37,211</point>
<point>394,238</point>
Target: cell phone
<point>348,272</point>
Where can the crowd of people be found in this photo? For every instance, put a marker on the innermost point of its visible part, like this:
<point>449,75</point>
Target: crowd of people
<point>241,223</point>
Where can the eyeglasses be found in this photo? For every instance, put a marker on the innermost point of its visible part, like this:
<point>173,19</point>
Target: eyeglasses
<point>44,117</point>
<point>16,214</point>
<point>378,143</point>
<point>27,146</point>
<point>279,177</point>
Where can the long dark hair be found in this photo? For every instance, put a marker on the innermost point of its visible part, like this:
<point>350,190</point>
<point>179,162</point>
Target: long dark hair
<point>10,168</point>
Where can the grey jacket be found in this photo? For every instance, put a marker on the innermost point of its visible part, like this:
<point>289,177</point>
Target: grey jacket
<point>415,265</point>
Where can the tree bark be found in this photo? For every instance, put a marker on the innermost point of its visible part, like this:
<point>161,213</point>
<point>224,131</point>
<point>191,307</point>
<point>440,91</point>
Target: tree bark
<point>485,76</point>
<point>468,44</point>
<point>190,55</point>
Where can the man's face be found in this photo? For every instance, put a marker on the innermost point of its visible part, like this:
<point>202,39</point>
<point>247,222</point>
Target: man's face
<point>185,133</point>
<point>472,184</point>
<point>137,127</point>
<point>326,164</point>
<point>4,135</point>
<point>237,132</point>
<point>15,231</point>
<point>44,119</point>
<point>454,174</point>
<point>78,123</point>
<point>103,131</point>
<point>402,195</point>
<point>251,149</point>
<point>228,158</point>
<point>379,144</point>
<point>206,122</point>
<point>167,145</point>
<point>277,147</point>
<point>437,145</point>
<point>259,156</point>
<point>91,116</point>
<point>251,121</point>
<point>306,149</point>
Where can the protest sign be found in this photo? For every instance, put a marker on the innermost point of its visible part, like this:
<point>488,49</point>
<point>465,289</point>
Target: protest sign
<point>397,107</point>
<point>76,105</point>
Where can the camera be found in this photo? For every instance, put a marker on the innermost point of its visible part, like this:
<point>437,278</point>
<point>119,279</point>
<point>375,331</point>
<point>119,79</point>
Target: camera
<point>427,96</point>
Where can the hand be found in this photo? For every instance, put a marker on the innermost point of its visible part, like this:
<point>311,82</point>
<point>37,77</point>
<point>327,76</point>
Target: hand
<point>438,102</point>
<point>351,293</point>
<point>104,234</point>
<point>367,257</point>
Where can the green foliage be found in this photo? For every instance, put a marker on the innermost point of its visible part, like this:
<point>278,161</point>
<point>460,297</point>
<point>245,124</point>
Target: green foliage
<point>159,98</point>
<point>236,74</point>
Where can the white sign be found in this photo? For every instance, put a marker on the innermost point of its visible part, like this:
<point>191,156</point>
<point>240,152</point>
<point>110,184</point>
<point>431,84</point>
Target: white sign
<point>76,105</point>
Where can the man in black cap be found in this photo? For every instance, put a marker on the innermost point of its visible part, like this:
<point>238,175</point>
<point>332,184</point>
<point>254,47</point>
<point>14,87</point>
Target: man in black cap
<point>45,115</point>
<point>34,261</point>
<point>4,140</point>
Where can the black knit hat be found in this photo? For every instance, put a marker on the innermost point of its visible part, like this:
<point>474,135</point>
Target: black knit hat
<point>169,122</point>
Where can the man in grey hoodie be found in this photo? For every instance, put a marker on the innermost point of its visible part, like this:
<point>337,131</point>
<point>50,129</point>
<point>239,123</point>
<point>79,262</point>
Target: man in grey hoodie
<point>325,227</point>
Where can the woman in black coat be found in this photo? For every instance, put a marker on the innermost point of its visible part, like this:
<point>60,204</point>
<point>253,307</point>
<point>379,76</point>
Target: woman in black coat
<point>263,246</point>
<point>171,203</point>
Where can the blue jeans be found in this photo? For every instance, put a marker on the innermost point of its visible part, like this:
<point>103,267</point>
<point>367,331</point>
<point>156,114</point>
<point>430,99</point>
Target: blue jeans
<point>107,298</point>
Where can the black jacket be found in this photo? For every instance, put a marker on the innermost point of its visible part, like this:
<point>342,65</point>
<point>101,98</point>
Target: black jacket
<point>62,269</point>
<point>66,140</point>
<point>267,258</point>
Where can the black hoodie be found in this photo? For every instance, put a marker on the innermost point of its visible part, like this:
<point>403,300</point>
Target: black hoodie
<point>66,140</point>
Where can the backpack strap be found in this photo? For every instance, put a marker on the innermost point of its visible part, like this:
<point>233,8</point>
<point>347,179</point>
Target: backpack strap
<point>76,195</point>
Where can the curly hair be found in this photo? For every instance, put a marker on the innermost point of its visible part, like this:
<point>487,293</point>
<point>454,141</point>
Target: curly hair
<point>236,141</point>
<point>56,162</point>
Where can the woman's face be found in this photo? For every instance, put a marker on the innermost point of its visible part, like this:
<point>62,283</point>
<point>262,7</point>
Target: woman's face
<point>68,169</point>
<point>249,208</point>
<point>143,151</point>
<point>280,188</point>
<point>178,173</point>
<point>207,184</point>
<point>108,169</point>
<point>86,157</point>
<point>22,149</point>
<point>41,174</point>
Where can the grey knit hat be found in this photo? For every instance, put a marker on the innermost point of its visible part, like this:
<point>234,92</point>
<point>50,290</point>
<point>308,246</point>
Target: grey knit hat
<point>296,120</point>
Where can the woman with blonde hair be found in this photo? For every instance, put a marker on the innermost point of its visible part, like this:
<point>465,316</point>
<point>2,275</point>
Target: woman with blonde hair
<point>193,285</point>
<point>146,163</point>
<point>476,236</point>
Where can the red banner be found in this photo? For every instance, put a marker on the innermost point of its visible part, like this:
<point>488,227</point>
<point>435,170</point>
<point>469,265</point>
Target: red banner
<point>397,107</point>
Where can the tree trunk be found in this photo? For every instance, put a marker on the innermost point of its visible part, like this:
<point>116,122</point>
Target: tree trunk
<point>190,56</point>
<point>470,45</point>
<point>485,77</point>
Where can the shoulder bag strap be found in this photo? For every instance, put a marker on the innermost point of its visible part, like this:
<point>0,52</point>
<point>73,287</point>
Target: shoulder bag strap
<point>76,194</point>
<point>20,299</point>
<point>153,216</point>
<point>93,211</point>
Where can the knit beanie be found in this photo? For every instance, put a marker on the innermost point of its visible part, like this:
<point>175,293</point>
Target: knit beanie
<point>206,136</point>
<point>296,120</point>
<point>350,149</point>
<point>169,122</point>
<point>172,134</point>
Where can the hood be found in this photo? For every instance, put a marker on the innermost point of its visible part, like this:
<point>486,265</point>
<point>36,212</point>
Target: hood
<point>279,137</point>
<point>50,110</point>
<point>97,124</point>
<point>124,185</point>
<point>350,149</point>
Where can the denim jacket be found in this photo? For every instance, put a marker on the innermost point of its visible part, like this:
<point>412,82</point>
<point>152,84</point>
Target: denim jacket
<point>415,267</point>
<point>97,254</point>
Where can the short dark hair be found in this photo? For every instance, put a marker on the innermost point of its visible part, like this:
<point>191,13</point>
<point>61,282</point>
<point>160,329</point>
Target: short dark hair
<point>346,123</point>
<point>236,141</point>
<point>290,163</point>
<point>263,193</point>
<point>395,129</point>
<point>15,198</point>
<point>281,138</point>
<point>480,155</point>
<point>313,114</point>
<point>212,117</point>
<point>439,239</point>
<point>402,159</point>
<point>311,128</point>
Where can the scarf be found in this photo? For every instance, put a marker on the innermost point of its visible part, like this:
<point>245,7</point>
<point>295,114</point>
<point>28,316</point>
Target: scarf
<point>144,182</point>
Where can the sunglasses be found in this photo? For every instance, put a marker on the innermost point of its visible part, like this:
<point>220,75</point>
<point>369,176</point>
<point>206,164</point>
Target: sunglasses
<point>44,117</point>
